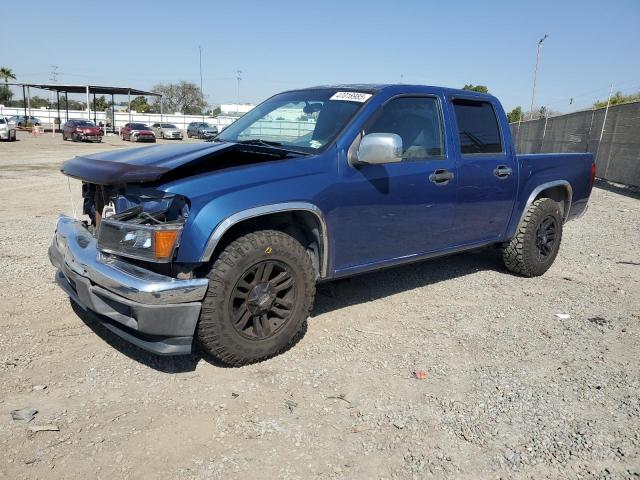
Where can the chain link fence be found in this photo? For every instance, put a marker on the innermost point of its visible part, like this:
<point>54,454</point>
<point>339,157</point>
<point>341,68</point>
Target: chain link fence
<point>616,147</point>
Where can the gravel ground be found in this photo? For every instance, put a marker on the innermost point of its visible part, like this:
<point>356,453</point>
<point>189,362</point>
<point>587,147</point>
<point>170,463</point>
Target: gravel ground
<point>511,390</point>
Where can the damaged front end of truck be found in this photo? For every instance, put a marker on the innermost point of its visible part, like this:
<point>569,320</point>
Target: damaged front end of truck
<point>119,261</point>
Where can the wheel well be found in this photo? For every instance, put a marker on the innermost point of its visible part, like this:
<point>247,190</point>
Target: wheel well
<point>302,225</point>
<point>559,194</point>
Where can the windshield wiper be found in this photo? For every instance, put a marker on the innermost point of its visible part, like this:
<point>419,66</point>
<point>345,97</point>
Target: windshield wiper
<point>270,144</point>
<point>259,141</point>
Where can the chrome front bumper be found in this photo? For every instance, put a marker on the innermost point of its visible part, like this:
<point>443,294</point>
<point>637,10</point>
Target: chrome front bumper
<point>156,312</point>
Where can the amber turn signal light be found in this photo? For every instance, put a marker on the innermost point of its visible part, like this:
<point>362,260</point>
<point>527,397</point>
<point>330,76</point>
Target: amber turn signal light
<point>164,242</point>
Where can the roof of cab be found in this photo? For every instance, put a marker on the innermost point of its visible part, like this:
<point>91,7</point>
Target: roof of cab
<point>379,87</point>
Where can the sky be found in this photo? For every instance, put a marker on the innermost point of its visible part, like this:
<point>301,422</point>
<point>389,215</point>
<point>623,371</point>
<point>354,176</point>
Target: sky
<point>283,45</point>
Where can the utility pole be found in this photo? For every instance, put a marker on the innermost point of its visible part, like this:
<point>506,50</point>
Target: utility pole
<point>54,74</point>
<point>201,91</point>
<point>54,79</point>
<point>604,121</point>
<point>535,74</point>
<point>238,78</point>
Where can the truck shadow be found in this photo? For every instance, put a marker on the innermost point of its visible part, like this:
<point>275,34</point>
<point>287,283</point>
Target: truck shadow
<point>626,190</point>
<point>330,296</point>
<point>169,364</point>
<point>383,283</point>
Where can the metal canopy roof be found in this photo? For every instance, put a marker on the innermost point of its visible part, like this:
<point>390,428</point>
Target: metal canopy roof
<point>57,87</point>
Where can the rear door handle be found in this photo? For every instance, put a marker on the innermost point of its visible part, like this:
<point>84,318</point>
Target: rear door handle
<point>502,171</point>
<point>441,176</point>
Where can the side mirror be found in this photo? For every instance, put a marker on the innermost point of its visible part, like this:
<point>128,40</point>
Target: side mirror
<point>378,148</point>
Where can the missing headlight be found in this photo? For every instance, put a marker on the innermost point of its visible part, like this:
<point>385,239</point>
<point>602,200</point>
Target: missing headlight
<point>148,228</point>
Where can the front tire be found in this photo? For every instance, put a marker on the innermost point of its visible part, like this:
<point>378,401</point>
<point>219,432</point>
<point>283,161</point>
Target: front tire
<point>535,246</point>
<point>261,290</point>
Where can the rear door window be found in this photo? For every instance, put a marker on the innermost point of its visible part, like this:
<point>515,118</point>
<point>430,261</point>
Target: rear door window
<point>478,127</point>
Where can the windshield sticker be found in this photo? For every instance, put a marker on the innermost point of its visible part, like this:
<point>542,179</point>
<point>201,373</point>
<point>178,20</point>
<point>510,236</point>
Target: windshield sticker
<point>351,96</point>
<point>315,144</point>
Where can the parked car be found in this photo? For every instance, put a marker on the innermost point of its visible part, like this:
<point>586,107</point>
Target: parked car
<point>222,243</point>
<point>24,120</point>
<point>201,130</point>
<point>7,130</point>
<point>167,130</point>
<point>80,130</point>
<point>137,132</point>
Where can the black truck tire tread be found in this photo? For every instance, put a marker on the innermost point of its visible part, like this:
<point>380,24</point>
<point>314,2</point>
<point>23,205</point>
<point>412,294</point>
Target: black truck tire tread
<point>219,341</point>
<point>517,254</point>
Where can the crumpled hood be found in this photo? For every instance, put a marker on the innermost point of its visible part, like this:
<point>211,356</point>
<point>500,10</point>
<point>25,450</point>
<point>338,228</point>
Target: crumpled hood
<point>138,165</point>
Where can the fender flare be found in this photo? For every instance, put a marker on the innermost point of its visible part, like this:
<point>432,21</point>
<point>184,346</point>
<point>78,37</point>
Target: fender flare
<point>545,186</point>
<point>263,210</point>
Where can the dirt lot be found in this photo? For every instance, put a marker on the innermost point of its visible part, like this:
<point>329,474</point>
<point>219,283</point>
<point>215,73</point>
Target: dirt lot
<point>511,391</point>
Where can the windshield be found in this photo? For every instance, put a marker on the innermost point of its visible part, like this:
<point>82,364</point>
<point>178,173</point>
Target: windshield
<point>84,123</point>
<point>168,125</point>
<point>139,126</point>
<point>306,120</point>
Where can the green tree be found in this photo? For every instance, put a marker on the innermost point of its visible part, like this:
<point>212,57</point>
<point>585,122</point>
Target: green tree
<point>617,99</point>
<point>73,104</point>
<point>38,102</point>
<point>5,93</point>
<point>216,111</point>
<point>101,104</point>
<point>476,88</point>
<point>140,104</point>
<point>515,115</point>
<point>184,97</point>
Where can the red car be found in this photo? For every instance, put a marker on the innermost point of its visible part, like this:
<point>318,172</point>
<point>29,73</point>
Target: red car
<point>137,132</point>
<point>81,130</point>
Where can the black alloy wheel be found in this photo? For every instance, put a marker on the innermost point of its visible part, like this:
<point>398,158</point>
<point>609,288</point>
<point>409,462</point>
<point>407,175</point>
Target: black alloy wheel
<point>546,236</point>
<point>262,300</point>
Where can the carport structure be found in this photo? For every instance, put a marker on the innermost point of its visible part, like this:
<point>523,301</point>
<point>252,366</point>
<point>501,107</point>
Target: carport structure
<point>87,90</point>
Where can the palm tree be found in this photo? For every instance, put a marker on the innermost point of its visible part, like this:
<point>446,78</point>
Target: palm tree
<point>6,74</point>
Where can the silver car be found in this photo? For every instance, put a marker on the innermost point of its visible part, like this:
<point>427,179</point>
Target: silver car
<point>7,130</point>
<point>167,130</point>
<point>24,120</point>
<point>201,130</point>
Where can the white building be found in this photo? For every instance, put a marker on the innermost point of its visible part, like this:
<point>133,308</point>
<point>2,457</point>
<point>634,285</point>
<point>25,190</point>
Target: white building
<point>235,109</point>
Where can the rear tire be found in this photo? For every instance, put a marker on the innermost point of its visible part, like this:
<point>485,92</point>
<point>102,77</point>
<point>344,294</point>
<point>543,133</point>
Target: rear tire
<point>535,246</point>
<point>261,290</point>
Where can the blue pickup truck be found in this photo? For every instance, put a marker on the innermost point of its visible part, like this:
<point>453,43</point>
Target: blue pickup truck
<point>220,244</point>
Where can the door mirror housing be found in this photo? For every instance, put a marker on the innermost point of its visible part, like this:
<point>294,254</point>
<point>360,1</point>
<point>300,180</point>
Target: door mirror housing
<point>380,148</point>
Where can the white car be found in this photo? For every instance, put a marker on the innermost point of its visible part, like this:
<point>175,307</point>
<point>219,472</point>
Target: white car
<point>167,130</point>
<point>7,130</point>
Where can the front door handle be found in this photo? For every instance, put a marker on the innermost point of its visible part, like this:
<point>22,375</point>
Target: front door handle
<point>441,176</point>
<point>502,171</point>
